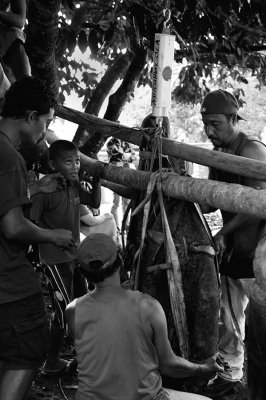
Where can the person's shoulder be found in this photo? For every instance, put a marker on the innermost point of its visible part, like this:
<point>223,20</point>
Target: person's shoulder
<point>149,305</point>
<point>254,149</point>
<point>71,306</point>
<point>70,309</point>
<point>8,154</point>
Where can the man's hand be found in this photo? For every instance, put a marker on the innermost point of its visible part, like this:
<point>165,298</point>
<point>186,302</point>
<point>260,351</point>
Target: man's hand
<point>63,238</point>
<point>48,184</point>
<point>211,366</point>
<point>220,246</point>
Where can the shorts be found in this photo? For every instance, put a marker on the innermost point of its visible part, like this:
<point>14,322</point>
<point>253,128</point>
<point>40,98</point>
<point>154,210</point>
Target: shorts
<point>24,333</point>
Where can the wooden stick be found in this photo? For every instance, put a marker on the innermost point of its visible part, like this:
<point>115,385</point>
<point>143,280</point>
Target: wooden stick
<point>227,162</point>
<point>226,196</point>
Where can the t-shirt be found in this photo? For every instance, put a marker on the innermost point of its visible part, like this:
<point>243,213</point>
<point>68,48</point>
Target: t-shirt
<point>17,276</point>
<point>241,244</point>
<point>58,210</point>
<point>117,359</point>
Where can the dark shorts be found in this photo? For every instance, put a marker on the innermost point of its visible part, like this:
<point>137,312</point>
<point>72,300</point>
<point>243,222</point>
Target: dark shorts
<point>24,333</point>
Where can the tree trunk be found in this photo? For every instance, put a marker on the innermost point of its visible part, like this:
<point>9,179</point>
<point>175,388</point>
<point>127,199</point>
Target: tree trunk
<point>41,40</point>
<point>225,196</point>
<point>118,99</point>
<point>116,70</point>
<point>256,343</point>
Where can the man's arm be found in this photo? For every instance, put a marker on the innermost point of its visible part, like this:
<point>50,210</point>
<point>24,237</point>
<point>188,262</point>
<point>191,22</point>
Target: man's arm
<point>170,364</point>
<point>16,227</point>
<point>17,16</point>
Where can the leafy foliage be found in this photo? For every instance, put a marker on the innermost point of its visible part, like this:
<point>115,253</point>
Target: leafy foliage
<point>219,40</point>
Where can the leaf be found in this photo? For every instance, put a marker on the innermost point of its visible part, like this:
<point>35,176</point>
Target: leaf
<point>89,78</point>
<point>61,98</point>
<point>72,41</point>
<point>93,42</point>
<point>82,41</point>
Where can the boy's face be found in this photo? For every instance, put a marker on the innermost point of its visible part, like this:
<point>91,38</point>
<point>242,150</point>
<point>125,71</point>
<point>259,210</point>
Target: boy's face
<point>68,163</point>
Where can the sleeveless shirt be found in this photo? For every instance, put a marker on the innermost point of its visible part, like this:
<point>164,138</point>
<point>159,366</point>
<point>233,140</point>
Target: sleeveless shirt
<point>242,244</point>
<point>116,358</point>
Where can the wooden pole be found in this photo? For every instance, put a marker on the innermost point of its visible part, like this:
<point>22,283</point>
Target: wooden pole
<point>227,162</point>
<point>226,196</point>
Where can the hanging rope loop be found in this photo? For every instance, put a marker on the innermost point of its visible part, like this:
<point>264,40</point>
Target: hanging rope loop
<point>167,17</point>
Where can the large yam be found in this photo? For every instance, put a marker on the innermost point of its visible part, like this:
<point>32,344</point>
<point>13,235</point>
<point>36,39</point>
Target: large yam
<point>199,274</point>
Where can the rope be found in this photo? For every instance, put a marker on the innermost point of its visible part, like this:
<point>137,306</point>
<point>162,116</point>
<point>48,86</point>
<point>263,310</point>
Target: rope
<point>167,15</point>
<point>174,271</point>
<point>61,389</point>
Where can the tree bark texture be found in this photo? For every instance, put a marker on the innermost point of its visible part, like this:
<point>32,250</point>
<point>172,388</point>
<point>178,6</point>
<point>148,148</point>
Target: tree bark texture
<point>256,344</point>
<point>41,39</point>
<point>119,98</point>
<point>225,196</point>
<point>226,162</point>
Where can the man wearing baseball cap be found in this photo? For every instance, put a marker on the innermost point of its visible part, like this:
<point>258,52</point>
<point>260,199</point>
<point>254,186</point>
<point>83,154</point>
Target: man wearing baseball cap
<point>237,240</point>
<point>121,336</point>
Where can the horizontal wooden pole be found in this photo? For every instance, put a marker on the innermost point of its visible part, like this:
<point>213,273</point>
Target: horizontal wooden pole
<point>104,127</point>
<point>225,196</point>
<point>227,162</point>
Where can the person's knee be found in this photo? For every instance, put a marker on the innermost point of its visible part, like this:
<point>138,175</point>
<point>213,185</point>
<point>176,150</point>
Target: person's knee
<point>16,57</point>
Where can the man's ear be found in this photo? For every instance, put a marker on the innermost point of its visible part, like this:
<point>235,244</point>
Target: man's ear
<point>31,116</point>
<point>234,119</point>
<point>51,164</point>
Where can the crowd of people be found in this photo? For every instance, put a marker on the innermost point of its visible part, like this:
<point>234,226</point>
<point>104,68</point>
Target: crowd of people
<point>120,335</point>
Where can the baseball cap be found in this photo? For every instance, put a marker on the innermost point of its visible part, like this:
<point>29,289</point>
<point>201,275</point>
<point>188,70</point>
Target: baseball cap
<point>220,102</point>
<point>97,246</point>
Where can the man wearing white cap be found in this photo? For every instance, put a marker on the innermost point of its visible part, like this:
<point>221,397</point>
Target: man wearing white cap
<point>121,336</point>
<point>237,240</point>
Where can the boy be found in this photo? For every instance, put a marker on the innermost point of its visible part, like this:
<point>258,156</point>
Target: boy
<point>121,336</point>
<point>61,210</point>
<point>28,108</point>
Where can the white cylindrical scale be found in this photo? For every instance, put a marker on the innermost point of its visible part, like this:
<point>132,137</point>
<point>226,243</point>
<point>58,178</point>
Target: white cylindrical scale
<point>163,58</point>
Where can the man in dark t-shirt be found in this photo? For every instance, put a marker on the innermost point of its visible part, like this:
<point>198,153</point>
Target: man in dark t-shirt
<point>237,240</point>
<point>24,339</point>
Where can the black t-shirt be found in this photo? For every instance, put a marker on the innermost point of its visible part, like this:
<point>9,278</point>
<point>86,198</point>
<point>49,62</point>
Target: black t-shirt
<point>241,245</point>
<point>17,276</point>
